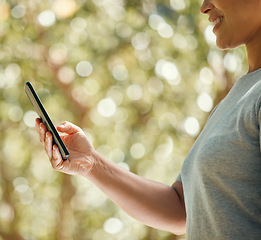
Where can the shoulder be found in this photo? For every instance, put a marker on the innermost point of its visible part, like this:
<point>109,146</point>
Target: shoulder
<point>249,88</point>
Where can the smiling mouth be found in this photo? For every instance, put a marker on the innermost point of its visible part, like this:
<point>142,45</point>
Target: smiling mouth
<point>218,20</point>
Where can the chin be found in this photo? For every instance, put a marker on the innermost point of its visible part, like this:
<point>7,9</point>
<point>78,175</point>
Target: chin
<point>225,45</point>
<point>222,45</point>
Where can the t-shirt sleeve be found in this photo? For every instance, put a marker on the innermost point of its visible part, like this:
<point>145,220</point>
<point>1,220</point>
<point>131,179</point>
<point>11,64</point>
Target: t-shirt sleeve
<point>178,179</point>
<point>259,122</point>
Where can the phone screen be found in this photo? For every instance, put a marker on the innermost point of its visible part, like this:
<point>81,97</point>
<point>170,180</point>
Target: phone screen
<point>39,108</point>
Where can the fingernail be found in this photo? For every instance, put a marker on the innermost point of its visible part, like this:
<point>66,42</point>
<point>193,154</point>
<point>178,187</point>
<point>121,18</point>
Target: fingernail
<point>63,124</point>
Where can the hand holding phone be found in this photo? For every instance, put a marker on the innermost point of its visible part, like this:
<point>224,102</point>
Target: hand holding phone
<point>39,108</point>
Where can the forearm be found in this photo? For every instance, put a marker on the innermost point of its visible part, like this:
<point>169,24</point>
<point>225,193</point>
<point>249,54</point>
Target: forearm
<point>153,203</point>
<point>150,202</point>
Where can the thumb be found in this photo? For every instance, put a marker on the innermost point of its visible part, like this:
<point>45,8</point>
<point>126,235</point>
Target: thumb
<point>69,128</point>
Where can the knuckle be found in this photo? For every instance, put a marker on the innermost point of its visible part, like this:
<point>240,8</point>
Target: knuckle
<point>59,166</point>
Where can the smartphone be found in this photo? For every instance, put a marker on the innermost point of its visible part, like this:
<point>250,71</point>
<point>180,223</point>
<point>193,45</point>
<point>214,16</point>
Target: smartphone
<point>39,108</point>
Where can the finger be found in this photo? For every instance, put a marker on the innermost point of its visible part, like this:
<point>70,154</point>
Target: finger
<point>69,128</point>
<point>48,145</point>
<point>37,123</point>
<point>57,161</point>
<point>42,132</point>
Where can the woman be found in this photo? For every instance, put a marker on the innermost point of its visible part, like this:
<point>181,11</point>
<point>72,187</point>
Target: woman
<point>218,192</point>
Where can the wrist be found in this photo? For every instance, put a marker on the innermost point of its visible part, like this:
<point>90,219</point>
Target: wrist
<point>99,168</point>
<point>91,164</point>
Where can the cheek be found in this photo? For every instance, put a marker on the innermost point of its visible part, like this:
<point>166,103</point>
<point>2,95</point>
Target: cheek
<point>235,32</point>
<point>228,38</point>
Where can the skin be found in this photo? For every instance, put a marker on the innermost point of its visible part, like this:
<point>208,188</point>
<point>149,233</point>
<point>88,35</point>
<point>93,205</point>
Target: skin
<point>155,204</point>
<point>160,206</point>
<point>241,25</point>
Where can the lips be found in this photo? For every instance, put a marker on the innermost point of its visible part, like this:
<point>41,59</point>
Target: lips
<point>217,20</point>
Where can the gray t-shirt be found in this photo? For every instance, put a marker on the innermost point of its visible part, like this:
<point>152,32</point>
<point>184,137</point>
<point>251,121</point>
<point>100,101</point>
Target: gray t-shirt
<point>221,175</point>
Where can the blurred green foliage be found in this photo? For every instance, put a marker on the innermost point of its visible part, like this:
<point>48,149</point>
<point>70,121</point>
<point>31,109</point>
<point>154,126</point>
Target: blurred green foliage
<point>140,77</point>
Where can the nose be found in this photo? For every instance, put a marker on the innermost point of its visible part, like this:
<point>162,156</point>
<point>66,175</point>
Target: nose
<point>206,6</point>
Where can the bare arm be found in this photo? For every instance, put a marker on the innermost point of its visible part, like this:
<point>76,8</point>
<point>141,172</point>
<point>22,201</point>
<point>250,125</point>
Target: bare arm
<point>155,204</point>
